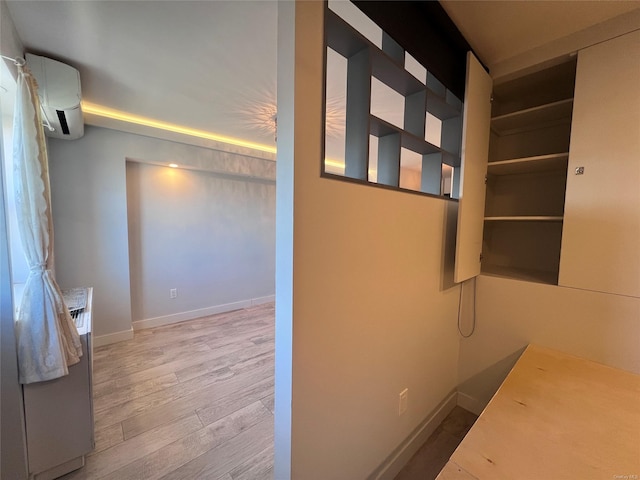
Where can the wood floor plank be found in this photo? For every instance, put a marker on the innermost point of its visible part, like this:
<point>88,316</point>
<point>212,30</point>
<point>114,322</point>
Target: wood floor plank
<point>125,357</point>
<point>174,359</point>
<point>219,339</point>
<point>211,332</point>
<point>223,406</point>
<point>266,337</point>
<point>228,357</point>
<point>259,467</point>
<point>176,393</point>
<point>148,345</point>
<point>185,449</point>
<point>218,461</point>
<point>110,372</point>
<point>113,458</point>
<point>140,357</point>
<point>108,437</point>
<point>106,399</point>
<point>236,387</point>
<point>173,366</point>
<point>269,402</point>
<point>189,329</point>
<point>118,413</point>
<point>265,358</point>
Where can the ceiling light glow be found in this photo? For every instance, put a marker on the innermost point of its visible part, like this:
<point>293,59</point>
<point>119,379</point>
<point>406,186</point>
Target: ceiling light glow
<point>173,165</point>
<point>101,111</point>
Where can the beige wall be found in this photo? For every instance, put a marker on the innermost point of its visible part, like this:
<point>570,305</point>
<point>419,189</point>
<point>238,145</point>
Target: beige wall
<point>373,311</point>
<point>370,319</point>
<point>511,314</point>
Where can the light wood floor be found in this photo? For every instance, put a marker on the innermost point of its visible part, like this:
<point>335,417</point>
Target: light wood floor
<point>186,401</point>
<point>195,400</point>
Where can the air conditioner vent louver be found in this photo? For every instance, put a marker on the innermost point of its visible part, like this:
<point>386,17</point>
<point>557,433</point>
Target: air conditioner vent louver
<point>64,127</point>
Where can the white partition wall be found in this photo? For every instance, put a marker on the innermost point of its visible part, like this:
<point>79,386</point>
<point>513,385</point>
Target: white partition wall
<point>360,292</point>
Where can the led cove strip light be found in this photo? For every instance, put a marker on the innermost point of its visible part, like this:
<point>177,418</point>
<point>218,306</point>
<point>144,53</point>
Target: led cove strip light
<point>148,122</point>
<point>100,111</point>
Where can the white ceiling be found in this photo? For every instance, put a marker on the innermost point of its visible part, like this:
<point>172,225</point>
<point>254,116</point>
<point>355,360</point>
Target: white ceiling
<point>211,65</point>
<point>499,29</point>
<point>204,64</point>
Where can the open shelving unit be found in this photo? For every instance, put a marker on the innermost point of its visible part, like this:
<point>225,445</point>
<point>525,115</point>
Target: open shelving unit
<point>547,114</point>
<point>527,173</point>
<point>524,218</point>
<point>539,163</point>
<point>366,61</point>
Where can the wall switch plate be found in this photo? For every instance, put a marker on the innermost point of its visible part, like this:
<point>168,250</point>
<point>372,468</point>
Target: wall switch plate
<point>173,293</point>
<point>402,401</point>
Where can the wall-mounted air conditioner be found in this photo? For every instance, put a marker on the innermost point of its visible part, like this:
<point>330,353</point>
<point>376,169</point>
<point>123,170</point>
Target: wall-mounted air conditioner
<point>60,97</point>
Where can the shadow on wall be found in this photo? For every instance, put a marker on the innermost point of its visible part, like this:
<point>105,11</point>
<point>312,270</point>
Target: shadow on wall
<point>477,391</point>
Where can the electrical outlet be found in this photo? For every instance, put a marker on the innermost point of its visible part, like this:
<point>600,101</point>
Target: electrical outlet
<point>402,401</point>
<point>173,293</point>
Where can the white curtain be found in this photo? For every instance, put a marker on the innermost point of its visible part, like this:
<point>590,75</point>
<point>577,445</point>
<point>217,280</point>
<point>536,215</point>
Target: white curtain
<point>48,341</point>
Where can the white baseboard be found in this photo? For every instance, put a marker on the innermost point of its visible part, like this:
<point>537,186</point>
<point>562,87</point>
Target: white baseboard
<point>263,300</point>
<point>401,456</point>
<point>470,403</point>
<point>201,312</point>
<point>109,338</point>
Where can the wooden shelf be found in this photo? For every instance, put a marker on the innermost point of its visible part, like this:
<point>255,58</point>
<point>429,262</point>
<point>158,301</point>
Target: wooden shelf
<point>531,118</point>
<point>392,74</point>
<point>345,40</point>
<point>524,274</point>
<point>365,61</point>
<point>544,86</point>
<point>380,128</point>
<point>539,163</point>
<point>441,107</point>
<point>525,218</point>
<point>526,182</point>
<point>451,159</point>
<point>342,38</point>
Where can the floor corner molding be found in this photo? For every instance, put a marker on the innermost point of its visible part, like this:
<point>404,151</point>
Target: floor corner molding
<point>401,455</point>
<point>472,404</point>
<point>101,340</point>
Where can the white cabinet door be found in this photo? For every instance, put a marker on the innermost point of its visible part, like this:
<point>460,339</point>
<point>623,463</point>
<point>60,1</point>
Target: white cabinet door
<point>601,232</point>
<point>475,152</point>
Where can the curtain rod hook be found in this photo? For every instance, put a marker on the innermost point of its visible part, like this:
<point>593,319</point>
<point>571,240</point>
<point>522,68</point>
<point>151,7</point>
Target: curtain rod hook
<point>18,61</point>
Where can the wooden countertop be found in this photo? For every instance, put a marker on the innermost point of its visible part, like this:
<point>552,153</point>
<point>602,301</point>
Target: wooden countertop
<point>556,417</point>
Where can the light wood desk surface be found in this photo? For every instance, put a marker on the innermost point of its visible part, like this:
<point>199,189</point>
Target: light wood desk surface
<point>555,417</point>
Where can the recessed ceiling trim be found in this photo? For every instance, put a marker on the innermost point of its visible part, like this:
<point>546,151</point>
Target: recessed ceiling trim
<point>100,116</point>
